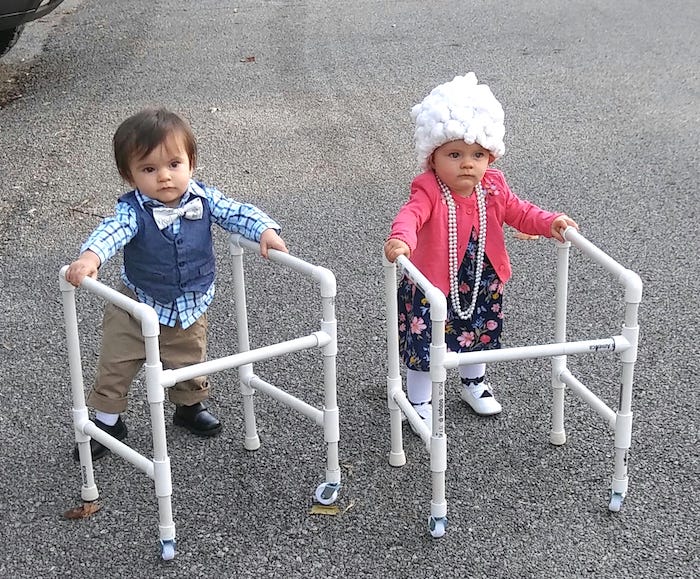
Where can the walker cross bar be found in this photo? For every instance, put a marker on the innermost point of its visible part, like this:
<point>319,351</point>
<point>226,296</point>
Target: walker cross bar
<point>624,345</point>
<point>157,379</point>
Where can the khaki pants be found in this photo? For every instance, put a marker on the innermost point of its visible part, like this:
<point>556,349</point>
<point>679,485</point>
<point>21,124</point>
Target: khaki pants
<point>123,354</point>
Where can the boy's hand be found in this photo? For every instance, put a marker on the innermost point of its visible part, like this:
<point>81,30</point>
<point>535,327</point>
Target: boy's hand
<point>270,240</point>
<point>85,266</point>
<point>560,224</point>
<point>395,247</point>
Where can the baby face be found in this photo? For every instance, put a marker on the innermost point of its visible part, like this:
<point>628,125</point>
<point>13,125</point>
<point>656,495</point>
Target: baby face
<point>460,165</point>
<point>164,173</point>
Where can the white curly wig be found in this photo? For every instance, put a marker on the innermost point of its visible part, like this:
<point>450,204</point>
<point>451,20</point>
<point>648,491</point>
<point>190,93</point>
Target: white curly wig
<point>459,109</point>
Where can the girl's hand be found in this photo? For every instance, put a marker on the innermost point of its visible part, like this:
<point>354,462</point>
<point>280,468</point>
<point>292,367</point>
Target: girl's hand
<point>271,240</point>
<point>395,247</point>
<point>85,266</point>
<point>560,224</point>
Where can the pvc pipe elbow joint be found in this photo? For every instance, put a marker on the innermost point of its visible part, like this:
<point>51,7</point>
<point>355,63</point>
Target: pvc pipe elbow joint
<point>150,326</point>
<point>633,286</point>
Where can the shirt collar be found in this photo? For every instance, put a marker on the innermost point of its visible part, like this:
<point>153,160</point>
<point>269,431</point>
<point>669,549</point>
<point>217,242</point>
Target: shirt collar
<point>192,189</point>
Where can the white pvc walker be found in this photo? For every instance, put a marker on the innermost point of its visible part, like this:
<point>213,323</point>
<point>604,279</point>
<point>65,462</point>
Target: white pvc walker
<point>158,379</point>
<point>625,344</point>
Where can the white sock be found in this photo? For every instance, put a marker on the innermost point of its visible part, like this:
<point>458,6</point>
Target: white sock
<point>472,371</point>
<point>419,387</point>
<point>107,418</point>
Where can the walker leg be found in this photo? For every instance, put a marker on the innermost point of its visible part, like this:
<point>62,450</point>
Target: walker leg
<point>397,457</point>
<point>619,480</point>
<point>437,522</point>
<point>88,489</point>
<point>327,493</point>
<point>245,372</point>
<point>251,440</point>
<point>623,435</point>
<point>623,421</point>
<point>162,474</point>
<point>557,435</point>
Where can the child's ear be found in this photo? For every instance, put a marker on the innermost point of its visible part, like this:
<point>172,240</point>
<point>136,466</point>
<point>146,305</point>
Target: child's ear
<point>492,159</point>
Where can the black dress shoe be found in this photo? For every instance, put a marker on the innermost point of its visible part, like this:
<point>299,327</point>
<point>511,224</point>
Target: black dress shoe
<point>97,449</point>
<point>197,419</point>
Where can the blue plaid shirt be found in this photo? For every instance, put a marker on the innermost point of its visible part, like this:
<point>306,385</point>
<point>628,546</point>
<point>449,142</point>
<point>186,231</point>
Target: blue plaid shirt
<point>115,232</point>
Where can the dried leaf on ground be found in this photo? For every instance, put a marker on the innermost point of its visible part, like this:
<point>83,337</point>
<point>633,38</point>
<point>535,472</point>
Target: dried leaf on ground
<point>331,509</point>
<point>350,506</point>
<point>325,510</point>
<point>83,511</point>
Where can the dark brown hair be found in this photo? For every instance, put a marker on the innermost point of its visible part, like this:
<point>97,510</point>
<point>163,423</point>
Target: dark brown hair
<point>138,135</point>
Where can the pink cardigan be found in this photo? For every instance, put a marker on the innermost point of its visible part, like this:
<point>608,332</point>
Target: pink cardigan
<point>422,224</point>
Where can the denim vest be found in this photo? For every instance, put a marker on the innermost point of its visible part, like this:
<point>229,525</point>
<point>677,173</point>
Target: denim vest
<point>166,266</point>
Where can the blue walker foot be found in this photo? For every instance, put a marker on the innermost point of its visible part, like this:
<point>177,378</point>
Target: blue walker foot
<point>167,549</point>
<point>327,493</point>
<point>437,526</point>
<point>616,500</point>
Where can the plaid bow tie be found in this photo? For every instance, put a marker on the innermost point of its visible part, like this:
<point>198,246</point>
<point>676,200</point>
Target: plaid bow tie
<point>165,216</point>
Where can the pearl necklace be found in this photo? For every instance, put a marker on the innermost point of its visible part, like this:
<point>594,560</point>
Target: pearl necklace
<point>452,248</point>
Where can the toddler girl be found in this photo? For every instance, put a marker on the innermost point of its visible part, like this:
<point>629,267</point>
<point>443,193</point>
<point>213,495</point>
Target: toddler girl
<point>451,228</point>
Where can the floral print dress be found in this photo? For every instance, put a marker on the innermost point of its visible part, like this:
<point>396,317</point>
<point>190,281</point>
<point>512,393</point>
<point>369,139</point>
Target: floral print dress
<point>482,331</point>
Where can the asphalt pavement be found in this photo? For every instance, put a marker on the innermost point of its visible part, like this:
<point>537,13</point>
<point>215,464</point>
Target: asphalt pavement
<point>303,109</point>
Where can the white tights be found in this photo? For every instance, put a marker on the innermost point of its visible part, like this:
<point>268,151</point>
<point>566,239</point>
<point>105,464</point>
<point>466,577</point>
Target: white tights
<point>419,387</point>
